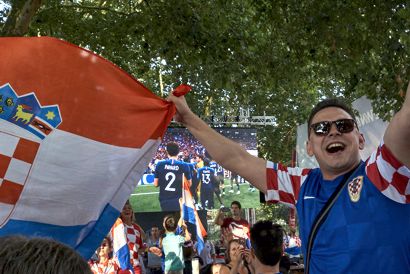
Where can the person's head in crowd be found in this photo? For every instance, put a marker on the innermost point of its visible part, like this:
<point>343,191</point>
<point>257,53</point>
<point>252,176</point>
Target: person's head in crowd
<point>236,209</point>
<point>21,255</point>
<point>172,149</point>
<point>206,162</point>
<point>155,233</point>
<point>232,252</point>
<point>105,250</point>
<point>199,158</point>
<point>267,242</point>
<point>170,224</point>
<point>321,127</point>
<point>127,213</point>
<point>284,264</point>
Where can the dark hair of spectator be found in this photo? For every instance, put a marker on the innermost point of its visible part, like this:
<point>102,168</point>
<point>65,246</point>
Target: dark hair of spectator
<point>172,149</point>
<point>284,264</point>
<point>267,242</point>
<point>236,203</point>
<point>169,223</point>
<point>331,102</point>
<point>21,255</point>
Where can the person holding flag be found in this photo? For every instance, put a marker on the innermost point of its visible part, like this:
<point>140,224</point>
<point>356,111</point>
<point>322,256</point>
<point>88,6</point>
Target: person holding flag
<point>234,227</point>
<point>351,212</point>
<point>127,237</point>
<point>172,245</point>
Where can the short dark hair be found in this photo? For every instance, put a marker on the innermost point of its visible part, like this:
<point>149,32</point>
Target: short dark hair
<point>20,255</point>
<point>169,223</point>
<point>236,203</point>
<point>267,242</point>
<point>172,149</point>
<point>206,162</point>
<point>326,103</point>
<point>284,264</point>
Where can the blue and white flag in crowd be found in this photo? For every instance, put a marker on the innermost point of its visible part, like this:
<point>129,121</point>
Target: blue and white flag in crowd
<point>189,214</point>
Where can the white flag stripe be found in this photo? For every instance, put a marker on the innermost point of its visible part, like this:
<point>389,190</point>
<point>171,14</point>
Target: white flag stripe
<point>82,169</point>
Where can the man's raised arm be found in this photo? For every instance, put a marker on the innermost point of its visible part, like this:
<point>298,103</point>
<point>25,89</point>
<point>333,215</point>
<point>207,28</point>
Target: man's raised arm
<point>226,152</point>
<point>397,136</point>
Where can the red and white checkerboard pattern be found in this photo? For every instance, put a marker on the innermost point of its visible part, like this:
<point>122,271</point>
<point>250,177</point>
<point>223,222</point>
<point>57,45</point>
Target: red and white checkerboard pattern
<point>390,176</point>
<point>292,178</point>
<point>134,242</point>
<point>16,158</point>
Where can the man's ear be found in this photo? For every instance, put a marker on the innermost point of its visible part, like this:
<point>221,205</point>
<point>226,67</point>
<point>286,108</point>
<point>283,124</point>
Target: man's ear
<point>362,141</point>
<point>309,148</point>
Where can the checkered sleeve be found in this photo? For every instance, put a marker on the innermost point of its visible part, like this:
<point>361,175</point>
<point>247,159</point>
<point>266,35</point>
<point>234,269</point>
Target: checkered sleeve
<point>389,176</point>
<point>284,183</point>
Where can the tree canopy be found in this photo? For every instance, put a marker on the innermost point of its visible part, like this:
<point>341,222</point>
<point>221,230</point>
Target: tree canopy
<point>275,57</point>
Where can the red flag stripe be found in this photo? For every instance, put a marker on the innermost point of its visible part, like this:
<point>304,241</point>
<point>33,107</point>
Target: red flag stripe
<point>43,61</point>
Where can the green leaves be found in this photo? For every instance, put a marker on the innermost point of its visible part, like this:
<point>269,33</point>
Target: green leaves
<point>275,57</point>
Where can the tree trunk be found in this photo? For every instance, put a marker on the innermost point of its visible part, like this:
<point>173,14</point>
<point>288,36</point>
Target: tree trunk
<point>20,16</point>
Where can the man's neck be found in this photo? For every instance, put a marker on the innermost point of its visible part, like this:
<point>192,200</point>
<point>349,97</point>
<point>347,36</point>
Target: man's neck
<point>333,174</point>
<point>127,221</point>
<point>236,218</point>
<point>103,260</point>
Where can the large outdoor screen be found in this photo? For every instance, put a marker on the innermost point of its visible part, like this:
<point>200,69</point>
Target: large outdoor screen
<point>227,186</point>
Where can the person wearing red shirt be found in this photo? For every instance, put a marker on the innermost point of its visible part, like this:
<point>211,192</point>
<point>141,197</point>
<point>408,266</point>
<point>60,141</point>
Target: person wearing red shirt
<point>236,227</point>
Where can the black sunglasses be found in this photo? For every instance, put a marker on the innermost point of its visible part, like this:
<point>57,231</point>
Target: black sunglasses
<point>342,125</point>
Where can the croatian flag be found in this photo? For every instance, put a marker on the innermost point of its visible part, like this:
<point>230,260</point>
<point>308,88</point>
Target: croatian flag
<point>76,134</point>
<point>189,214</point>
<point>120,245</point>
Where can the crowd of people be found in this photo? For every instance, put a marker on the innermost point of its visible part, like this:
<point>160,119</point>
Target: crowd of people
<point>171,249</point>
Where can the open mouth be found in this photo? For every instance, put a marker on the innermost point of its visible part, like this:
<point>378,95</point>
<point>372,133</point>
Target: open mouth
<point>335,148</point>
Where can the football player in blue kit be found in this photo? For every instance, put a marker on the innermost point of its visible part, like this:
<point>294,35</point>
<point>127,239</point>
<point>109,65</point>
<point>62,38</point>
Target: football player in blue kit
<point>169,177</point>
<point>206,176</point>
<point>367,228</point>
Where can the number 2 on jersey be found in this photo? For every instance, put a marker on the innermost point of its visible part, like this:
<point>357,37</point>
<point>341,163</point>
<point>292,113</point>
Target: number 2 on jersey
<point>170,178</point>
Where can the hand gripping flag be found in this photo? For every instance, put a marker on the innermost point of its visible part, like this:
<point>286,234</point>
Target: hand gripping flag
<point>76,133</point>
<point>189,214</point>
<point>120,246</point>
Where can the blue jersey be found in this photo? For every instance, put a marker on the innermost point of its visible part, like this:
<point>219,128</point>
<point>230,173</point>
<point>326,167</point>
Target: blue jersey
<point>219,170</point>
<point>170,174</point>
<point>368,228</point>
<point>207,177</point>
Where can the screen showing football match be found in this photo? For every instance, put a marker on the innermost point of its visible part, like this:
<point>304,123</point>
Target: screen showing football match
<point>182,161</point>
